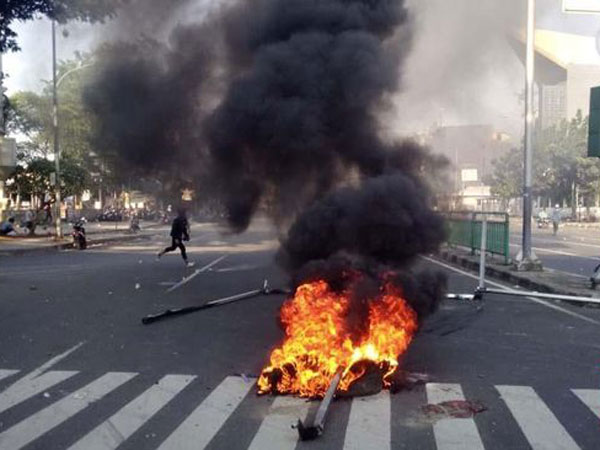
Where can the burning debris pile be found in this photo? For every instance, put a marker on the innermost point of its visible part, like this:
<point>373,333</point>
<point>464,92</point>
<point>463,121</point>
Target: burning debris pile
<point>320,342</point>
<point>286,97</point>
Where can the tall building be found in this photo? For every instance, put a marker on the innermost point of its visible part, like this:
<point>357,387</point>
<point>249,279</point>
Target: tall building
<point>567,63</point>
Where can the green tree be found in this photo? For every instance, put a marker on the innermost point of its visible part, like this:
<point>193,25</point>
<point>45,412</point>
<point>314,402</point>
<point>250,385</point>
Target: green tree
<point>33,178</point>
<point>506,179</point>
<point>561,171</point>
<point>32,113</point>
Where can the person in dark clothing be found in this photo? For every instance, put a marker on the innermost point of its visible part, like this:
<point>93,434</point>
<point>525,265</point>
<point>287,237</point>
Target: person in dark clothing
<point>179,234</point>
<point>8,227</point>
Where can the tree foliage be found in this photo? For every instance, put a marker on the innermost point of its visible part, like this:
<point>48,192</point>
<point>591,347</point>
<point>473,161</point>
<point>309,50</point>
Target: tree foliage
<point>31,114</point>
<point>561,170</point>
<point>61,10</point>
<point>34,179</point>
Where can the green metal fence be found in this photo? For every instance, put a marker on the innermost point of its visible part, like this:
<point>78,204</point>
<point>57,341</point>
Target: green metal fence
<point>464,229</point>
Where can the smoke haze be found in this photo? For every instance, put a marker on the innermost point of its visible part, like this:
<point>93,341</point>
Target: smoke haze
<point>298,87</point>
<point>461,69</point>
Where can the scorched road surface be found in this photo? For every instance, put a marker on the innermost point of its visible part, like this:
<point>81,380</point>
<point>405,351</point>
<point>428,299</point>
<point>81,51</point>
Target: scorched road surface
<point>79,370</point>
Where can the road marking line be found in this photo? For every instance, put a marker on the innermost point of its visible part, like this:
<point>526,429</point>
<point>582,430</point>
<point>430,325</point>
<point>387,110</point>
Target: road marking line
<point>276,430</point>
<point>571,274</point>
<point>591,398</point>
<point>198,429</point>
<point>47,365</point>
<point>25,388</point>
<point>533,299</point>
<point>541,240</point>
<point>541,428</point>
<point>369,423</point>
<point>36,381</point>
<point>5,373</point>
<point>28,430</point>
<point>196,272</point>
<point>559,252</point>
<point>118,428</point>
<point>452,433</point>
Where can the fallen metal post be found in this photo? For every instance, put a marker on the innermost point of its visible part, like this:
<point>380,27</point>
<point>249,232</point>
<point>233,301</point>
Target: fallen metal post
<point>570,298</point>
<point>315,423</point>
<point>265,290</point>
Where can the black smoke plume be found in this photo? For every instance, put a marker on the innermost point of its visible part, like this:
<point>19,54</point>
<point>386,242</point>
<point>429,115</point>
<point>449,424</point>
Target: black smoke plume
<point>286,96</point>
<point>304,112</point>
<point>385,219</point>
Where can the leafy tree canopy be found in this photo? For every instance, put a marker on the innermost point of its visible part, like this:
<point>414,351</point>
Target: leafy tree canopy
<point>561,169</point>
<point>34,178</point>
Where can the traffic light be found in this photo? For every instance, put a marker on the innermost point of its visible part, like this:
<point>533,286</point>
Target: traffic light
<point>594,128</point>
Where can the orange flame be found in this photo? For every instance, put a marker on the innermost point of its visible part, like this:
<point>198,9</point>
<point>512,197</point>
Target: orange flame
<point>318,340</point>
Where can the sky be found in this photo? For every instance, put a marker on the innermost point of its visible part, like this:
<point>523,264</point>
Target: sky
<point>456,73</point>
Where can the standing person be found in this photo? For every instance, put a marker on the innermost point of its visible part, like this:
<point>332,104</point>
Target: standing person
<point>29,217</point>
<point>555,219</point>
<point>179,233</point>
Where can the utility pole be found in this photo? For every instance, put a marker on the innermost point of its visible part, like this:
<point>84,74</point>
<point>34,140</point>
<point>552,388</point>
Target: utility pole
<point>58,226</point>
<point>526,259</point>
<point>2,124</point>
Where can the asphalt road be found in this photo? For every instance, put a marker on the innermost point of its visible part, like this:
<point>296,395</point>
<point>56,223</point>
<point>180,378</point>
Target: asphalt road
<point>573,250</point>
<point>79,370</point>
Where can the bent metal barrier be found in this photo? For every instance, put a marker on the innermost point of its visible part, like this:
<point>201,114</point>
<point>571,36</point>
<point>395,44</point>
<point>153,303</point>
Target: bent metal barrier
<point>464,230</point>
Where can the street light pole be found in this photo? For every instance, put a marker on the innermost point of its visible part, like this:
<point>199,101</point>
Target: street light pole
<point>58,227</point>
<point>527,260</point>
<point>2,124</point>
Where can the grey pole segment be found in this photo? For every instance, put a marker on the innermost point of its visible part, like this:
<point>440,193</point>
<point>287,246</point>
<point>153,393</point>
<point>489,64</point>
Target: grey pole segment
<point>58,227</point>
<point>2,124</point>
<point>482,253</point>
<point>527,259</point>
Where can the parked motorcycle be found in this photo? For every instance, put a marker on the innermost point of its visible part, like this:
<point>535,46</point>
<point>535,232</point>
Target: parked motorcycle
<point>78,234</point>
<point>543,222</point>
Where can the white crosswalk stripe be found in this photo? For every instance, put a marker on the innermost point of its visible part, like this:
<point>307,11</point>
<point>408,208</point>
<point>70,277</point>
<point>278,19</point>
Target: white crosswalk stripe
<point>369,423</point>
<point>205,421</point>
<point>36,381</point>
<point>48,418</point>
<point>27,387</point>
<point>452,433</point>
<point>541,428</point>
<point>276,429</point>
<point>5,373</point>
<point>114,431</point>
<point>591,397</point>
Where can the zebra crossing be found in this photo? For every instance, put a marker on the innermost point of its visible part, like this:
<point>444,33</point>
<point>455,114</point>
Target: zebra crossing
<point>369,422</point>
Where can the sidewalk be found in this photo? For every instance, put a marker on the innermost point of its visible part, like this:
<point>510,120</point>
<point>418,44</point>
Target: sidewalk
<point>97,233</point>
<point>550,281</point>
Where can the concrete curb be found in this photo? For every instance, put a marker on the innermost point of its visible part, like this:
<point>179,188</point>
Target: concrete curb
<point>509,276</point>
<point>69,245</point>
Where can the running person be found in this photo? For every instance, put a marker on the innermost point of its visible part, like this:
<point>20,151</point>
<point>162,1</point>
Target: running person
<point>179,233</point>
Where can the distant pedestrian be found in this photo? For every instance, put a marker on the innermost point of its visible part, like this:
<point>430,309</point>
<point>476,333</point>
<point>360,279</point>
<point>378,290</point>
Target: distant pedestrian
<point>8,227</point>
<point>48,212</point>
<point>29,222</point>
<point>555,219</point>
<point>179,234</point>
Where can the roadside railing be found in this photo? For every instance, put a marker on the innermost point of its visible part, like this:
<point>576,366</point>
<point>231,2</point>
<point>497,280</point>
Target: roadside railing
<point>464,230</point>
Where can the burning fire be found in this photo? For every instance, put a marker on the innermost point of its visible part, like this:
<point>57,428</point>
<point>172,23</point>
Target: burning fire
<point>319,343</point>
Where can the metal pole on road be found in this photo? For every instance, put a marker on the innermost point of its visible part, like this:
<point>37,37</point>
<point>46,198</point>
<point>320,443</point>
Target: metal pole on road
<point>58,227</point>
<point>527,260</point>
